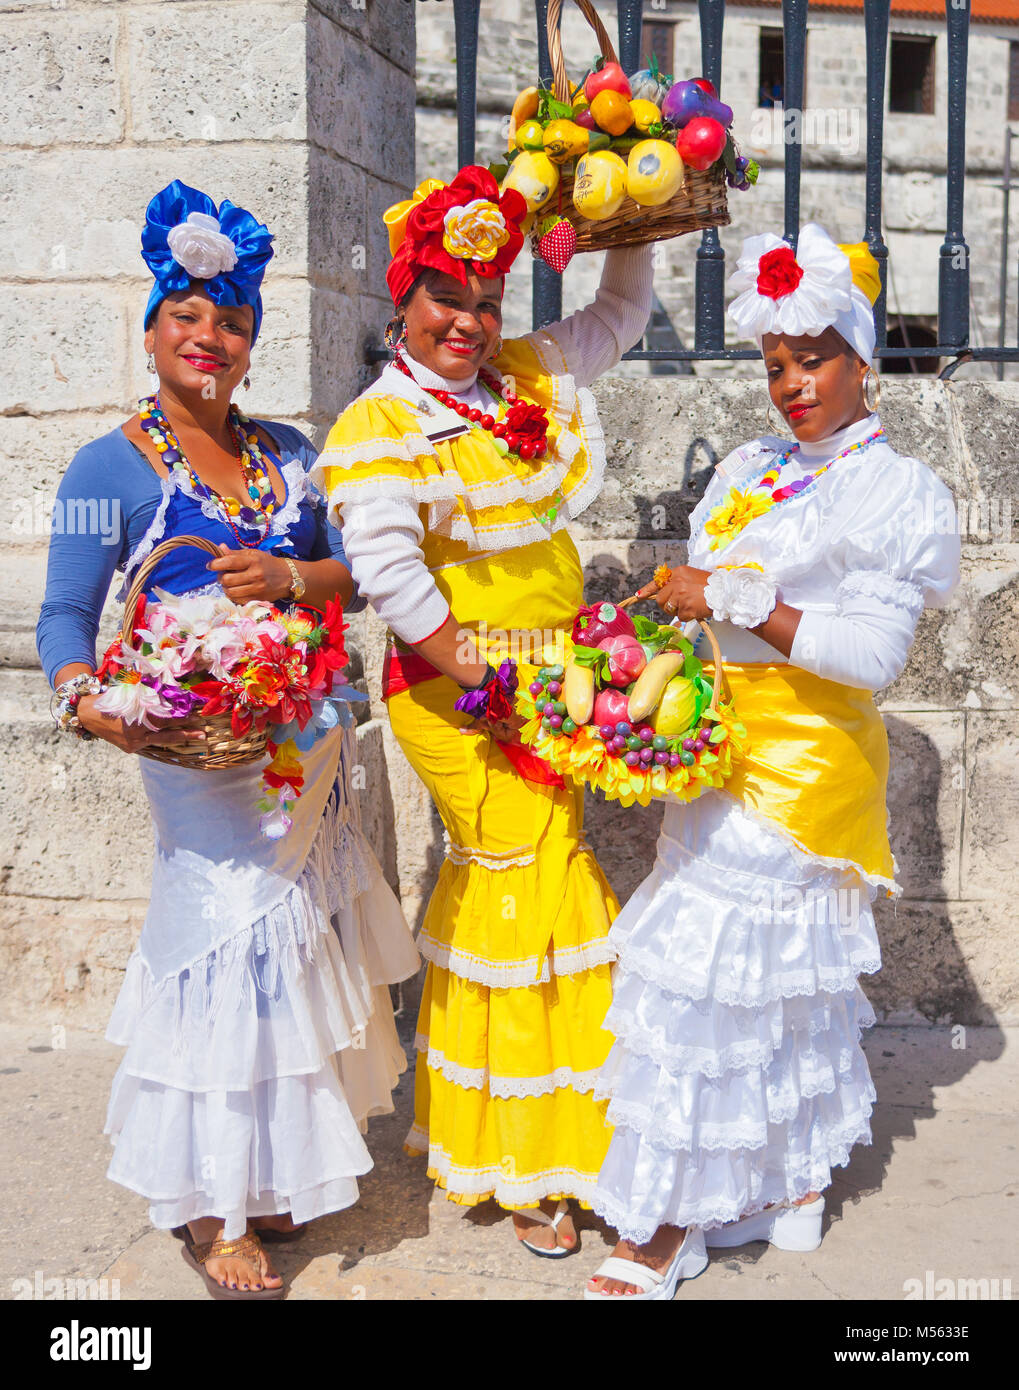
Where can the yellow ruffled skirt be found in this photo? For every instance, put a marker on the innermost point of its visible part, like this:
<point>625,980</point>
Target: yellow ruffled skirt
<point>510,1035</point>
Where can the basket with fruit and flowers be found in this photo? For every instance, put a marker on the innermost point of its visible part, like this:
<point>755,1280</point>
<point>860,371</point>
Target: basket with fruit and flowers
<point>631,710</point>
<point>619,161</point>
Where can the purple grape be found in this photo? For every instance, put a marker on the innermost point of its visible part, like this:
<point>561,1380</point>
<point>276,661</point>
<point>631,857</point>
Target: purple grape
<point>674,760</point>
<point>688,744</point>
<point>646,754</point>
<point>698,746</point>
<point>555,721</point>
<point>536,688</point>
<point>618,744</point>
<point>631,759</point>
<point>646,733</point>
<point>705,733</point>
<point>624,728</point>
<point>607,731</point>
<point>554,688</point>
<point>662,758</point>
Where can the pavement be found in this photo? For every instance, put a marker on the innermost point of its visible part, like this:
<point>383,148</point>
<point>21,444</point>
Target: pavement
<point>933,1199</point>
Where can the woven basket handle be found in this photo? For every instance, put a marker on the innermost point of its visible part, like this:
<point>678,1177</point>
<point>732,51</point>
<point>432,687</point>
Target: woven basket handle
<point>560,81</point>
<point>146,568</point>
<point>721,685</point>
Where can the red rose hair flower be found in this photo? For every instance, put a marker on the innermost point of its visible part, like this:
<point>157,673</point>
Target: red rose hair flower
<point>778,272</point>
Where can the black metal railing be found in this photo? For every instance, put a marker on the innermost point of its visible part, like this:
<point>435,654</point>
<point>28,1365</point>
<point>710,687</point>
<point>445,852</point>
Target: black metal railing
<point>709,309</point>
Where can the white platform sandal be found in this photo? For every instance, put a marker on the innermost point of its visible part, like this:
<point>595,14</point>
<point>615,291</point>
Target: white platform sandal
<point>558,1252</point>
<point>787,1228</point>
<point>689,1260</point>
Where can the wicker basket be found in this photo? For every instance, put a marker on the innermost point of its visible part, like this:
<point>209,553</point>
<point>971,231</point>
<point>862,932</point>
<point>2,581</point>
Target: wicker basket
<point>220,748</point>
<point>719,684</point>
<point>701,201</point>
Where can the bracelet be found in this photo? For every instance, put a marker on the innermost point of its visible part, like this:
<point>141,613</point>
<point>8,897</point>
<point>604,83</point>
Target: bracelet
<point>492,697</point>
<point>741,595</point>
<point>297,584</point>
<point>64,703</point>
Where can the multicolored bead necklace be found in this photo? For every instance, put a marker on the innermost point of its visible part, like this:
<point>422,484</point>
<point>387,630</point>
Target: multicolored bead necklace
<point>262,502</point>
<point>739,507</point>
<point>506,440</point>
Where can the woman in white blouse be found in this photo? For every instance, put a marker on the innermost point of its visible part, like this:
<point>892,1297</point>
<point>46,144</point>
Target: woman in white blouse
<point>736,1081</point>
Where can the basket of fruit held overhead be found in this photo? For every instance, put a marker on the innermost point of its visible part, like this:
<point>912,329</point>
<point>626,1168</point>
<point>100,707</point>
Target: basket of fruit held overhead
<point>632,712</point>
<point>617,160</point>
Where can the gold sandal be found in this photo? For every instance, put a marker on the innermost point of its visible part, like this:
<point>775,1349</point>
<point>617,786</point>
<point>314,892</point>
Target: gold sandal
<point>248,1248</point>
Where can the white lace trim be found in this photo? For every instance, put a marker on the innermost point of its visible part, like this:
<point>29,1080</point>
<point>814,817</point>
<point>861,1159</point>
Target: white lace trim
<point>734,1137</point>
<point>518,857</point>
<point>788,985</point>
<point>876,584</point>
<point>748,1055</point>
<point>505,1087</point>
<point>520,973</point>
<point>501,1182</point>
<point>297,485</point>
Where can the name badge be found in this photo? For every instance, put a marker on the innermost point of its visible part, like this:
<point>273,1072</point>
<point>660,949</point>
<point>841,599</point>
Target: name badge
<point>441,422</point>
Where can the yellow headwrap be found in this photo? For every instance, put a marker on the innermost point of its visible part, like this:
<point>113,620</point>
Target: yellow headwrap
<point>395,217</point>
<point>863,268</point>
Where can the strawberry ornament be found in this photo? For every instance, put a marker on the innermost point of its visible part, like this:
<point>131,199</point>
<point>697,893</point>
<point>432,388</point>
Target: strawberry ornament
<point>558,242</point>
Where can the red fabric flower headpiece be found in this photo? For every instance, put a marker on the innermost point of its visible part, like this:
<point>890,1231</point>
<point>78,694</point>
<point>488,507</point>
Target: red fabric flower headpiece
<point>778,272</point>
<point>448,227</point>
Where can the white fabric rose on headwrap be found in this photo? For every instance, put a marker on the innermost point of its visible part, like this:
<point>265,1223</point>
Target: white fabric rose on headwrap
<point>800,293</point>
<point>199,247</point>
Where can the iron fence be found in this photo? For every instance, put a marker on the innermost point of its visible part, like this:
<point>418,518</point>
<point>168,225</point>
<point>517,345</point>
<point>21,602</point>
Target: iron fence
<point>709,312</point>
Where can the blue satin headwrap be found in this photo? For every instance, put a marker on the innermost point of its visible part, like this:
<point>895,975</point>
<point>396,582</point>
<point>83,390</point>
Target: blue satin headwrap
<point>251,243</point>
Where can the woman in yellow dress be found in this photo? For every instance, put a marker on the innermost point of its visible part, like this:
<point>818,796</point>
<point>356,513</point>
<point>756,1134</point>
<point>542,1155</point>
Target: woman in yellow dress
<point>454,477</point>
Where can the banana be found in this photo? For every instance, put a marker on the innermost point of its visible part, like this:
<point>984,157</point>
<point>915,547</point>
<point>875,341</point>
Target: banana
<point>578,692</point>
<point>651,684</point>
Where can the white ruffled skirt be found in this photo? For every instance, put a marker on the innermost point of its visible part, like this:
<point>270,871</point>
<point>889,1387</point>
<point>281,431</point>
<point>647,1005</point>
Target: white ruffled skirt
<point>250,1074</point>
<point>736,1079</point>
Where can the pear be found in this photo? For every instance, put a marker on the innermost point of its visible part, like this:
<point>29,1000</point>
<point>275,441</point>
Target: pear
<point>677,708</point>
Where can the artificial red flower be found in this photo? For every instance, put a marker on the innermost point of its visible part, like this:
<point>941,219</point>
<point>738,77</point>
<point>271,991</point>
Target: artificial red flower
<point>527,421</point>
<point>778,272</point>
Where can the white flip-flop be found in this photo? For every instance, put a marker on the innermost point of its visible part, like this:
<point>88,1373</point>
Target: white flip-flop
<point>689,1260</point>
<point>558,1252</point>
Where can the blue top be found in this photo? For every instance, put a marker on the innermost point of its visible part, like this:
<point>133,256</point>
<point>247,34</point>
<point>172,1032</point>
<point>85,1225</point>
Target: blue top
<point>112,508</point>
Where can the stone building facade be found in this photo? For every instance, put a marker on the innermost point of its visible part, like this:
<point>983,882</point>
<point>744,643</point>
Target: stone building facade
<point>834,127</point>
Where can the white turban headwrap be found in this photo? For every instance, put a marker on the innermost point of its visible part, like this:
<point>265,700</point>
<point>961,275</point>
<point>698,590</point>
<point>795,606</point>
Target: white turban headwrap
<point>825,297</point>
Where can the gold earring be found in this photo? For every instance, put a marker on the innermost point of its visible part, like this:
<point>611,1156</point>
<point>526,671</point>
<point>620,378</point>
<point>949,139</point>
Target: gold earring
<point>872,377</point>
<point>247,382</point>
<point>496,350</point>
<point>150,365</point>
<point>396,326</point>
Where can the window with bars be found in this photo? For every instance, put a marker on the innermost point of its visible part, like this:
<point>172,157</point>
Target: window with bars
<point>656,42</point>
<point>911,75</point>
<point>1013,81</point>
<point>770,67</point>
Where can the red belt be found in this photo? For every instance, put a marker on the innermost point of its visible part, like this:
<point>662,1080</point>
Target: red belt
<point>404,667</point>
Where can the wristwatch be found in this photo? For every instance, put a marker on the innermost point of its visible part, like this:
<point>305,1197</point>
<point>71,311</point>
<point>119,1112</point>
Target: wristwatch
<point>297,584</point>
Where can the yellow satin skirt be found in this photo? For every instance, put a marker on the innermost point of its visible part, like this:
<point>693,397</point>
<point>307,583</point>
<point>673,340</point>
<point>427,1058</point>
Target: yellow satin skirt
<point>816,765</point>
<point>509,1034</point>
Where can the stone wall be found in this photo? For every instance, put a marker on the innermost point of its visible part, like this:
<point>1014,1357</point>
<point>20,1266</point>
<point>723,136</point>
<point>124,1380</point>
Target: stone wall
<point>951,717</point>
<point>832,189</point>
<point>301,112</point>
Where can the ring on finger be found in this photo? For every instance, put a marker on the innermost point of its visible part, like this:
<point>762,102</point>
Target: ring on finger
<point>670,608</point>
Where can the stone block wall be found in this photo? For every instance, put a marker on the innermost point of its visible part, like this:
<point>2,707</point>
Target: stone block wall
<point>301,112</point>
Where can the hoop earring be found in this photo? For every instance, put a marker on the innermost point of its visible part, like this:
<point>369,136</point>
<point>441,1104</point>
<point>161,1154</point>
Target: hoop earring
<point>496,350</point>
<point>247,382</point>
<point>390,335</point>
<point>872,377</point>
<point>150,365</point>
<point>772,429</point>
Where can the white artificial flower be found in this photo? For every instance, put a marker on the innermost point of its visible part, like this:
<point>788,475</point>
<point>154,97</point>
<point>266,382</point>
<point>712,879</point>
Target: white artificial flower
<point>199,247</point>
<point>824,292</point>
<point>133,702</point>
<point>743,596</point>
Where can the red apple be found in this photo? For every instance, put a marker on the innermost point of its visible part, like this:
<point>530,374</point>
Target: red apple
<point>610,78</point>
<point>700,142</point>
<point>609,707</point>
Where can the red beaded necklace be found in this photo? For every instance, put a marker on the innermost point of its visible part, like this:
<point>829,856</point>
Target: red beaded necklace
<point>523,430</point>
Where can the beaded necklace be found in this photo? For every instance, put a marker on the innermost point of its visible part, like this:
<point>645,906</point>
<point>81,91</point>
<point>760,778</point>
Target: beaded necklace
<point>262,502</point>
<point>739,507</point>
<point>505,440</point>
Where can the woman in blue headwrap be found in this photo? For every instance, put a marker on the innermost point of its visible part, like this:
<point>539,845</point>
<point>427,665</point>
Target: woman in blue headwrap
<point>255,1011</point>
